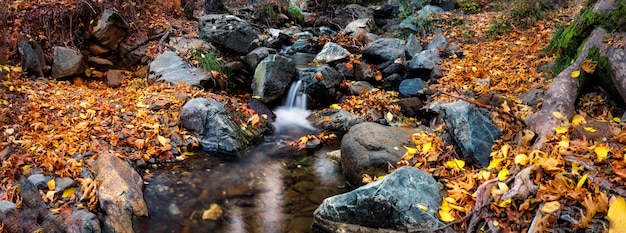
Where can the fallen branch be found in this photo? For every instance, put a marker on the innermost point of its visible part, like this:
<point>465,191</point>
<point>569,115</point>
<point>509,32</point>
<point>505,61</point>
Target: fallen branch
<point>491,108</point>
<point>600,181</point>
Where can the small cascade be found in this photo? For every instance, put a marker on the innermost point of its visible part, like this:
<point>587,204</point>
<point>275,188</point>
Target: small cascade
<point>292,115</point>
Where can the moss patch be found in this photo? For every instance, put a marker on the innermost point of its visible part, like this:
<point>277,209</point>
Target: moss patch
<point>566,41</point>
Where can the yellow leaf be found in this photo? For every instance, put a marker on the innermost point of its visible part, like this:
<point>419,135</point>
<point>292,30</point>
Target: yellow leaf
<point>52,184</point>
<point>575,74</point>
<point>26,167</point>
<point>505,150</point>
<point>589,66</point>
<point>389,117</point>
<point>582,180</point>
<point>616,119</point>
<point>427,146</point>
<point>550,207</point>
<point>590,129</point>
<point>213,213</point>
<point>68,192</point>
<point>558,115</point>
<point>616,215</point>
<point>560,129</point>
<point>142,105</point>
<point>162,140</point>
<point>503,174</point>
<point>601,151</point>
<point>521,159</point>
<point>494,163</point>
<point>483,174</point>
<point>456,164</point>
<point>335,106</point>
<point>504,204</point>
<point>564,142</point>
<point>410,150</point>
<point>578,120</point>
<point>576,168</point>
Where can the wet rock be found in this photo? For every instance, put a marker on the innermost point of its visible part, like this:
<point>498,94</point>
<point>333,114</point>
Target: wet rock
<point>369,147</point>
<point>331,53</point>
<point>185,47</point>
<point>210,121</point>
<point>67,62</point>
<point>471,128</point>
<point>33,60</point>
<point>82,221</point>
<point>439,43</point>
<point>120,193</point>
<point>272,76</point>
<point>425,61</point>
<point>169,67</point>
<point>257,55</point>
<point>387,204</point>
<point>110,29</point>
<point>339,121</point>
<point>412,87</point>
<point>384,49</point>
<point>227,31</point>
<point>321,89</point>
<point>114,78</point>
<point>100,64</point>
<point>261,109</point>
<point>413,46</point>
<point>352,12</point>
<point>39,180</point>
<point>302,45</point>
<point>63,183</point>
<point>428,10</point>
<point>410,107</point>
<point>365,24</point>
<point>356,88</point>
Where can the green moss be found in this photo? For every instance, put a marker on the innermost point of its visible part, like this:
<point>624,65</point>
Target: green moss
<point>566,41</point>
<point>600,77</point>
<point>295,13</point>
<point>469,6</point>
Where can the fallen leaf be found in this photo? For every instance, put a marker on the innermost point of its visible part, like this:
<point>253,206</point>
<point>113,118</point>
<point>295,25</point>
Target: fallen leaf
<point>521,159</point>
<point>550,207</point>
<point>52,184</point>
<point>213,213</point>
<point>558,115</point>
<point>582,180</point>
<point>616,215</point>
<point>162,140</point>
<point>456,164</point>
<point>601,152</point>
<point>389,117</point>
<point>560,129</point>
<point>589,66</point>
<point>503,174</point>
<point>575,74</point>
<point>68,192</point>
<point>578,120</point>
<point>590,129</point>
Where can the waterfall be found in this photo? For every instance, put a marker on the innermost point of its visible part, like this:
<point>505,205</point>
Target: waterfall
<point>293,113</point>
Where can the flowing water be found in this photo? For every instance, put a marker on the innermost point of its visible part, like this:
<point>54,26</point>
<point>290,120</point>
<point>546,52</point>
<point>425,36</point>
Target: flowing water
<point>274,188</point>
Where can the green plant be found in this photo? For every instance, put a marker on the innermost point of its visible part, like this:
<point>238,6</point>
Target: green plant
<point>469,6</point>
<point>295,13</point>
<point>499,27</point>
<point>525,13</point>
<point>469,36</point>
<point>209,61</point>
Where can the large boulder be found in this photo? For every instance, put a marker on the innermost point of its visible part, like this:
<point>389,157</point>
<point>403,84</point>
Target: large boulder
<point>424,62</point>
<point>272,76</point>
<point>471,128</point>
<point>412,87</point>
<point>110,29</point>
<point>228,31</point>
<point>413,46</point>
<point>67,62</point>
<point>169,67</point>
<point>384,206</point>
<point>384,49</point>
<point>368,148</point>
<point>120,193</point>
<point>338,121</point>
<point>321,84</point>
<point>214,127</point>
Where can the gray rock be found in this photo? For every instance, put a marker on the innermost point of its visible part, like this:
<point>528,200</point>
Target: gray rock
<point>131,57</point>
<point>446,5</point>
<point>435,73</point>
<point>425,60</point>
<point>483,82</point>
<point>321,90</point>
<point>169,67</point>
<point>331,53</point>
<point>393,68</point>
<point>410,107</point>
<point>384,49</point>
<point>114,78</point>
<point>368,147</point>
<point>471,129</point>
<point>110,29</point>
<point>63,183</point>
<point>6,207</point>
<point>388,204</point>
<point>352,12</point>
<point>33,60</point>
<point>359,86</point>
<point>412,87</point>
<point>214,127</point>
<point>428,10</point>
<point>272,76</point>
<point>410,24</point>
<point>366,24</point>
<point>339,121</point>
<point>83,221</point>
<point>67,62</point>
<point>364,72</point>
<point>120,193</point>
<point>257,55</point>
<point>413,46</point>
<point>393,82</point>
<point>532,97</point>
<point>440,42</point>
<point>100,64</point>
<point>39,180</point>
<point>228,31</point>
<point>185,47</point>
